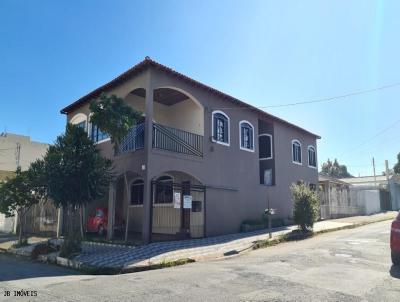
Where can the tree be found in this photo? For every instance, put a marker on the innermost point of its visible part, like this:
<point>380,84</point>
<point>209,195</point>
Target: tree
<point>334,169</point>
<point>305,208</point>
<point>18,195</point>
<point>114,117</point>
<point>396,167</point>
<point>75,175</point>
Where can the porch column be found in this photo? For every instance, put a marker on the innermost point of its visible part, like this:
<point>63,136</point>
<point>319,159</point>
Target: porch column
<point>148,140</point>
<point>111,211</point>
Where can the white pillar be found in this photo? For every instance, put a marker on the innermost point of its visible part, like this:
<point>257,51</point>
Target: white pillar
<point>147,200</point>
<point>111,211</point>
<point>60,216</point>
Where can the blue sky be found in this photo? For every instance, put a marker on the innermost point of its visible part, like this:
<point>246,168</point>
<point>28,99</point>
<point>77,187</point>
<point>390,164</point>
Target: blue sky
<point>263,52</point>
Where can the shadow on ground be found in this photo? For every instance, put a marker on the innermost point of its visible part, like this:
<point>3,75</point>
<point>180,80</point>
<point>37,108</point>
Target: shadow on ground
<point>395,271</point>
<point>17,268</point>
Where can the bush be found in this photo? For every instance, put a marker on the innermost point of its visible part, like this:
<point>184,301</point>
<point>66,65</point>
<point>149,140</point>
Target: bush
<point>305,208</point>
<point>43,249</point>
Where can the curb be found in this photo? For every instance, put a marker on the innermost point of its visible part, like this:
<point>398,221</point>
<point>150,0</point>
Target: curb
<point>109,270</point>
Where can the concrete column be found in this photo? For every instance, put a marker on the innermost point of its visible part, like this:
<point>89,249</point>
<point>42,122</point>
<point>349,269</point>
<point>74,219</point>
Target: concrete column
<point>60,217</point>
<point>111,211</point>
<point>147,200</point>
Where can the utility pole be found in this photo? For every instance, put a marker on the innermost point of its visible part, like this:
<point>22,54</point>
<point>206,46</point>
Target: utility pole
<point>387,170</point>
<point>18,155</point>
<point>373,164</point>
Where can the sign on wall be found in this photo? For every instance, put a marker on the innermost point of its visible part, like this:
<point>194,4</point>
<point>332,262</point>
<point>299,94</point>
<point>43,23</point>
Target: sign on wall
<point>187,201</point>
<point>177,200</point>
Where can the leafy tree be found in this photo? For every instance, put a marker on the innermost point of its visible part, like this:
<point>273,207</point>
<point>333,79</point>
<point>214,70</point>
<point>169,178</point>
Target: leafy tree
<point>75,175</point>
<point>396,167</point>
<point>305,209</point>
<point>18,195</point>
<point>114,117</point>
<point>334,169</point>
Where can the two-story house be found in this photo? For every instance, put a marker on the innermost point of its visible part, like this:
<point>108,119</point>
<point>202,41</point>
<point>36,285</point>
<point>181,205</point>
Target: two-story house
<point>201,162</point>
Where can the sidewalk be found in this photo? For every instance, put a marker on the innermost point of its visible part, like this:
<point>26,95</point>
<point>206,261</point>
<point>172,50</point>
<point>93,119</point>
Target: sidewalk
<point>128,258</point>
<point>200,249</point>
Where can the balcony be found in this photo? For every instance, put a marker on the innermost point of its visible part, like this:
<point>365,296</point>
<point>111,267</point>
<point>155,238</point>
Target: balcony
<point>164,138</point>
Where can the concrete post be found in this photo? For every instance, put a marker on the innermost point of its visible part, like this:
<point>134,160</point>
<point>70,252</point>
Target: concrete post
<point>111,211</point>
<point>148,135</point>
<point>60,217</point>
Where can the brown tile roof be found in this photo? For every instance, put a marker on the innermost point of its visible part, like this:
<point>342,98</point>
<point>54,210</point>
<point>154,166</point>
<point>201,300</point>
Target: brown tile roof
<point>147,62</point>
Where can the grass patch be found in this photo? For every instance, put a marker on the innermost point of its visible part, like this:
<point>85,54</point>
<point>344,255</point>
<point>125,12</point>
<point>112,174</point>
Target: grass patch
<point>162,264</point>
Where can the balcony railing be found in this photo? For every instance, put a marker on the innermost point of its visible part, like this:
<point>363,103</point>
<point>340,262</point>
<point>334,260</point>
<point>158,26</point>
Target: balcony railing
<point>165,138</point>
<point>176,140</point>
<point>133,141</point>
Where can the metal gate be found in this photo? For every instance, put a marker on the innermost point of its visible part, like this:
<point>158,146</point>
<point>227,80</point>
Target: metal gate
<point>178,210</point>
<point>386,204</point>
<point>41,219</point>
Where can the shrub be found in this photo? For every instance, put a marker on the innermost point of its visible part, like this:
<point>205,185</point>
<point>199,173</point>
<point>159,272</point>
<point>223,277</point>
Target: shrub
<point>43,249</point>
<point>305,208</point>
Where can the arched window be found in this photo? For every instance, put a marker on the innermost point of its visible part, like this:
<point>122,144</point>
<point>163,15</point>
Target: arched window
<point>312,158</point>
<point>246,136</point>
<point>296,152</point>
<point>137,188</point>
<point>220,128</point>
<point>80,120</point>
<point>265,146</point>
<point>164,189</point>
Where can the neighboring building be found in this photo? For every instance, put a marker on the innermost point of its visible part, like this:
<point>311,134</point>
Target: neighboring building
<point>20,149</point>
<point>16,149</point>
<point>335,199</point>
<point>225,156</point>
<point>358,195</point>
<point>388,187</point>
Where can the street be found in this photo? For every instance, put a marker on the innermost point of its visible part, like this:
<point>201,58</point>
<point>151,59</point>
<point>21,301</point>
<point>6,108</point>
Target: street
<point>348,265</point>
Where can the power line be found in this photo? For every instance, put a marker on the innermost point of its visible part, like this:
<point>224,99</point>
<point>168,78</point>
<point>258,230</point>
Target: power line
<point>372,137</point>
<point>327,99</point>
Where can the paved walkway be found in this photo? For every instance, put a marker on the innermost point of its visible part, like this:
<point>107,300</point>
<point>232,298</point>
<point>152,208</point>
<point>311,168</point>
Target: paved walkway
<point>199,249</point>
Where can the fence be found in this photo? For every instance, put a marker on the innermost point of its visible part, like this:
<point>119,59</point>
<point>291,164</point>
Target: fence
<point>41,219</point>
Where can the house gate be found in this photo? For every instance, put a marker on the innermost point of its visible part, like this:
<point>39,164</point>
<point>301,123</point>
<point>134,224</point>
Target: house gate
<point>178,210</point>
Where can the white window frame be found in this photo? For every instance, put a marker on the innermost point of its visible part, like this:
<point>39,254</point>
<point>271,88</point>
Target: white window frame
<point>79,118</point>
<point>240,136</point>
<point>212,128</point>
<point>154,203</point>
<point>301,155</point>
<point>272,149</point>
<point>130,192</point>
<point>90,125</point>
<point>308,156</point>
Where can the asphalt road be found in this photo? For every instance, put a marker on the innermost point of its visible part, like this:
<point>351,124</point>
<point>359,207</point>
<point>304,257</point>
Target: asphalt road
<point>348,265</point>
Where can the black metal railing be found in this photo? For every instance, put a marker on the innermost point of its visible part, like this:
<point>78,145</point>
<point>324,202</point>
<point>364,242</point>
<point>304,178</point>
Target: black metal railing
<point>177,140</point>
<point>133,141</point>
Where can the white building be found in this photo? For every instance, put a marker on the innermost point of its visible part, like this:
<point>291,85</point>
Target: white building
<point>16,150</point>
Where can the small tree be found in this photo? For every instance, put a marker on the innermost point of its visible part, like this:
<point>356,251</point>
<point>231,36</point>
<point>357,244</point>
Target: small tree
<point>114,117</point>
<point>76,174</point>
<point>305,208</point>
<point>18,195</point>
<point>396,167</point>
